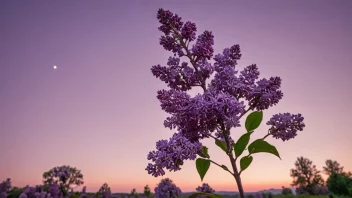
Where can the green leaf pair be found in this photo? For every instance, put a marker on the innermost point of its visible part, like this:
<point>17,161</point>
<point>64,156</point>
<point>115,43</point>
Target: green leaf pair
<point>241,144</point>
<point>258,146</point>
<point>253,121</point>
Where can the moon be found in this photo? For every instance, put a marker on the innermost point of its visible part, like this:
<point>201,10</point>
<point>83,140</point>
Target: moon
<point>54,67</point>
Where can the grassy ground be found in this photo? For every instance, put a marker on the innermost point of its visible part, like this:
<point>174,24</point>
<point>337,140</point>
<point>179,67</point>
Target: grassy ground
<point>299,196</point>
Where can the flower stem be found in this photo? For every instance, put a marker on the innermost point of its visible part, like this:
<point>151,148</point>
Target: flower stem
<point>221,167</point>
<point>189,55</point>
<point>232,159</point>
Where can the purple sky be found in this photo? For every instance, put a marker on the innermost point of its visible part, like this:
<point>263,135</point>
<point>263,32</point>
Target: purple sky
<point>98,111</point>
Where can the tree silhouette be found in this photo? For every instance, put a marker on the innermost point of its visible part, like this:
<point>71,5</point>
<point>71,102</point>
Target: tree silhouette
<point>146,190</point>
<point>306,176</point>
<point>133,192</point>
<point>332,167</point>
<point>66,177</point>
<point>340,184</point>
<point>105,191</point>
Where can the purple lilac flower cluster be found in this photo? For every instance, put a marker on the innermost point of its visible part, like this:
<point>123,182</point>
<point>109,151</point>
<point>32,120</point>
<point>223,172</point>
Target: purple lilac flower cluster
<point>39,192</point>
<point>171,154</point>
<point>54,190</point>
<point>203,49</point>
<point>205,188</point>
<point>167,189</point>
<point>35,192</point>
<point>285,125</point>
<point>266,93</point>
<point>222,103</point>
<point>5,187</point>
<point>197,117</point>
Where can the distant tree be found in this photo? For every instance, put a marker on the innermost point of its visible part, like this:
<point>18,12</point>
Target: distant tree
<point>105,191</point>
<point>15,192</point>
<point>205,188</point>
<point>133,192</point>
<point>66,177</point>
<point>270,195</point>
<point>340,184</point>
<point>335,167</point>
<point>286,191</point>
<point>74,195</point>
<point>146,191</point>
<point>83,192</point>
<point>332,167</point>
<point>348,174</point>
<point>305,176</point>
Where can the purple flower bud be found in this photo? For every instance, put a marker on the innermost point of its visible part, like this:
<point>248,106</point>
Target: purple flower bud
<point>168,21</point>
<point>170,44</point>
<point>188,31</point>
<point>229,57</point>
<point>203,48</point>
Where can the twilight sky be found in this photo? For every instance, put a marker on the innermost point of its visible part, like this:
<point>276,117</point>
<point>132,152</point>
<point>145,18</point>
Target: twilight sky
<point>98,111</point>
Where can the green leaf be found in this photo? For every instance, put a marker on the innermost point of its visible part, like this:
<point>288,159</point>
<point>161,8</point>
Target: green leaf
<point>253,120</point>
<point>245,162</point>
<point>194,195</point>
<point>202,167</point>
<point>221,144</point>
<point>259,146</point>
<point>204,152</point>
<point>241,144</point>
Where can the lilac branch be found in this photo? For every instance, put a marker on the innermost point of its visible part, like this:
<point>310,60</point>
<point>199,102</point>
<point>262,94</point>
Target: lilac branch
<point>221,167</point>
<point>188,54</point>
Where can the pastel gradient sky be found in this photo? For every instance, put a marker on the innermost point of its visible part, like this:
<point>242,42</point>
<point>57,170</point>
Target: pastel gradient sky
<point>98,111</point>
